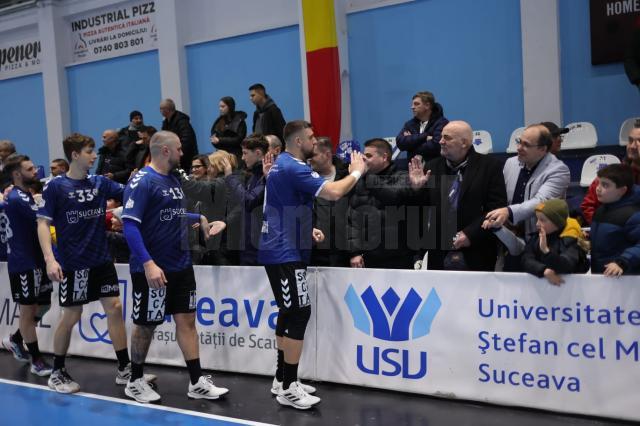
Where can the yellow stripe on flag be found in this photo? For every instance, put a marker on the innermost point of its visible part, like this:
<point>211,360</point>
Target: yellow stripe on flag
<point>319,24</point>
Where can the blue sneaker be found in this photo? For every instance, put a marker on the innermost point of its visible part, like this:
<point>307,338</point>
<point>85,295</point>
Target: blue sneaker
<point>18,351</point>
<point>41,368</point>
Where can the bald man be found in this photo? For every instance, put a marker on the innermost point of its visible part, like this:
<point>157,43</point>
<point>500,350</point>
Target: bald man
<point>112,158</point>
<point>462,186</point>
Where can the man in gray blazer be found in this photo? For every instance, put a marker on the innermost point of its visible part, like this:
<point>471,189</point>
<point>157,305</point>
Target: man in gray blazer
<point>534,176</point>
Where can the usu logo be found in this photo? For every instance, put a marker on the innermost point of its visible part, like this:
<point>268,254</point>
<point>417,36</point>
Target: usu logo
<point>392,321</point>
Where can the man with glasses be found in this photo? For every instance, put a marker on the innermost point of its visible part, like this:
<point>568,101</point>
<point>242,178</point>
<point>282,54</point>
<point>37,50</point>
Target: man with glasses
<point>557,135</point>
<point>533,176</point>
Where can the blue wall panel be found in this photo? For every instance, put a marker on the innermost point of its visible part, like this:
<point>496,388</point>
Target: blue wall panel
<point>599,94</point>
<point>228,67</point>
<point>101,94</point>
<point>23,118</point>
<point>467,52</point>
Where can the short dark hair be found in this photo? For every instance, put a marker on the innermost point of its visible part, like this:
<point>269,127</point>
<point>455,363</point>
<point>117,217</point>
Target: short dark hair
<point>150,130</point>
<point>425,97</point>
<point>15,163</point>
<point>324,144</point>
<point>61,162</point>
<point>256,141</point>
<point>381,145</point>
<point>134,114</point>
<point>75,142</point>
<point>259,87</point>
<point>620,174</point>
<point>293,127</point>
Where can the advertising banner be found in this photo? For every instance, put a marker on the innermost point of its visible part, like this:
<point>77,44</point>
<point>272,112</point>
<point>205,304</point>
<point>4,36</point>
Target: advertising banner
<point>509,339</point>
<point>21,57</point>
<point>114,31</point>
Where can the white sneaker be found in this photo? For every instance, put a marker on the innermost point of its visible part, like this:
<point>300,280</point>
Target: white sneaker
<point>205,389</point>
<point>123,376</point>
<point>276,387</point>
<point>140,390</point>
<point>60,381</point>
<point>296,397</point>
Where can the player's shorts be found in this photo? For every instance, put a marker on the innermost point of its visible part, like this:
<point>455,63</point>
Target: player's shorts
<point>150,305</point>
<point>289,284</point>
<point>31,287</point>
<point>82,286</point>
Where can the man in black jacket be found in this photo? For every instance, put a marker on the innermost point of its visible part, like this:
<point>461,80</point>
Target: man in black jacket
<point>379,219</point>
<point>112,161</point>
<point>178,123</point>
<point>329,216</point>
<point>267,118</point>
<point>463,186</point>
<point>129,134</point>
<point>421,135</point>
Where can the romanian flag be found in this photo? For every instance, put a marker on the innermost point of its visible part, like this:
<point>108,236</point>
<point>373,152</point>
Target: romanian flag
<point>323,67</point>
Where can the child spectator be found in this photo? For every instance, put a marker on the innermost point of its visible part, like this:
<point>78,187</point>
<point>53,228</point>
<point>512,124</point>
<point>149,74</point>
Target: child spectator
<point>559,247</point>
<point>615,230</point>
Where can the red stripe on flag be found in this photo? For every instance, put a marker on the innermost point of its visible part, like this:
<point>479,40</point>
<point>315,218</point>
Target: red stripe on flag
<point>325,103</point>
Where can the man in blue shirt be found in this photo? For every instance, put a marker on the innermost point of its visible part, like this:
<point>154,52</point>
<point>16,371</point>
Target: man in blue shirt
<point>29,287</point>
<point>75,203</point>
<point>285,249</point>
<point>155,226</point>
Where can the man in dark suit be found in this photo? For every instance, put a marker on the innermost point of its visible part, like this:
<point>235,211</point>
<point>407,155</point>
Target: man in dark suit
<point>463,186</point>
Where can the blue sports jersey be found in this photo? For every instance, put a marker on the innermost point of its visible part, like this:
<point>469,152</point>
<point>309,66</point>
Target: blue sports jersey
<point>77,209</point>
<point>157,203</point>
<point>287,224</point>
<point>21,232</point>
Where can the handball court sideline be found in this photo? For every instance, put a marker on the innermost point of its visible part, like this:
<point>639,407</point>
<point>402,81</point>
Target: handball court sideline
<point>25,401</point>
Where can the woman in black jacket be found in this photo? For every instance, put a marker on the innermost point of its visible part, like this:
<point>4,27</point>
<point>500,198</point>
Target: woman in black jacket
<point>229,129</point>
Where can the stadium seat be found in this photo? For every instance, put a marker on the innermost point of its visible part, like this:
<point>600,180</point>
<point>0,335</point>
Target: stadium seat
<point>625,129</point>
<point>512,148</point>
<point>581,135</point>
<point>482,142</point>
<point>593,164</point>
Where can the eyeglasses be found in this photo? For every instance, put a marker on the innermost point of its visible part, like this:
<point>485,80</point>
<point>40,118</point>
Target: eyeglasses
<point>526,145</point>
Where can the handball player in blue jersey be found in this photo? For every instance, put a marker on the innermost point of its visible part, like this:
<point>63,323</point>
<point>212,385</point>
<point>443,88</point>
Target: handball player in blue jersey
<point>285,249</point>
<point>30,287</point>
<point>75,203</point>
<point>155,225</point>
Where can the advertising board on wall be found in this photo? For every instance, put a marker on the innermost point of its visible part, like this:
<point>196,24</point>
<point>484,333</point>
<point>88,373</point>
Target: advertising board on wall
<point>114,31</point>
<point>21,57</point>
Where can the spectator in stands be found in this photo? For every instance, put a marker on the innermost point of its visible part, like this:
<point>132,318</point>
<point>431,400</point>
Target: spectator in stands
<point>590,202</point>
<point>249,192</point>
<point>556,135</point>
<point>267,118</point>
<point>559,247</point>
<point>118,247</point>
<point>112,161</point>
<point>129,134</point>
<point>329,216</point>
<point>615,230</point>
<point>138,155</point>
<point>230,128</point>
<point>466,186</point>
<point>275,146</point>
<point>377,229</point>
<point>200,167</point>
<point>533,176</point>
<point>7,148</point>
<point>178,123</point>
<point>58,167</point>
<point>421,134</point>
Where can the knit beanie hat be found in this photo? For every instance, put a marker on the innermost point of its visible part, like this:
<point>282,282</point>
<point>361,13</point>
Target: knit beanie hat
<point>556,210</point>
